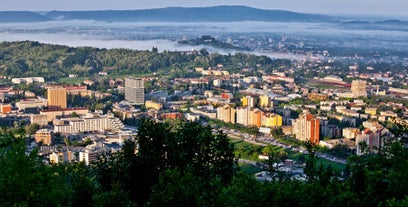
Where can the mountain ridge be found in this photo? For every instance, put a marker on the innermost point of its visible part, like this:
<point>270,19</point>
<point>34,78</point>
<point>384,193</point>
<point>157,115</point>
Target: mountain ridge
<point>176,14</point>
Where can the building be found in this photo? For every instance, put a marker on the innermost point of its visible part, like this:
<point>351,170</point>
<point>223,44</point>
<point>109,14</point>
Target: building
<point>171,115</point>
<point>39,119</point>
<point>242,115</point>
<point>5,108</point>
<point>372,111</point>
<point>31,103</point>
<point>271,120</point>
<point>226,114</point>
<point>373,136</point>
<point>134,90</point>
<point>359,88</point>
<point>307,128</point>
<point>88,123</point>
<point>27,80</point>
<point>44,135</point>
<point>264,101</point>
<point>65,156</point>
<point>248,101</point>
<point>57,97</point>
<point>78,90</point>
<point>92,153</point>
<point>153,105</point>
<point>55,113</point>
<point>255,117</point>
<point>350,133</point>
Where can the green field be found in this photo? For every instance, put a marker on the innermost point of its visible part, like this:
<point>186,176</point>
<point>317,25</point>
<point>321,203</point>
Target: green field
<point>250,152</point>
<point>248,168</point>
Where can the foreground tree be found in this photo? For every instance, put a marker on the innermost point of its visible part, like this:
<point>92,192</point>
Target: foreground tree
<point>189,147</point>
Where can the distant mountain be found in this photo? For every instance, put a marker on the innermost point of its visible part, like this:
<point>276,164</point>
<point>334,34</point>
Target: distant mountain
<point>199,14</point>
<point>180,14</point>
<point>22,16</point>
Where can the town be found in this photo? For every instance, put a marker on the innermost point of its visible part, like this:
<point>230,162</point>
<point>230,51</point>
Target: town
<point>344,108</point>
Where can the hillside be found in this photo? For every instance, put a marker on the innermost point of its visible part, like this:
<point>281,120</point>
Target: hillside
<point>27,58</point>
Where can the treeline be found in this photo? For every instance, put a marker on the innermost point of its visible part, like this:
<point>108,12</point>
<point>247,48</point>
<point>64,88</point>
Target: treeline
<point>186,164</point>
<point>27,58</point>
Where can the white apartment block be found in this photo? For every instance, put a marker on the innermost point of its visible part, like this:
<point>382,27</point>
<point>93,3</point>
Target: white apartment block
<point>88,123</point>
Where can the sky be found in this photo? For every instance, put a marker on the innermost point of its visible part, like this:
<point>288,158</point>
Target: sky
<point>397,8</point>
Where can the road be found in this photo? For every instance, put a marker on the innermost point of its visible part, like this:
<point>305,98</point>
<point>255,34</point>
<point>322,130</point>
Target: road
<point>264,141</point>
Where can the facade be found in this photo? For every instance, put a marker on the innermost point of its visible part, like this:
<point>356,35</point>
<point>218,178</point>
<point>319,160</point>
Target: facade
<point>255,117</point>
<point>307,128</point>
<point>65,156</point>
<point>248,101</point>
<point>32,103</point>
<point>350,133</point>
<point>374,135</point>
<point>54,113</point>
<point>264,101</point>
<point>39,119</point>
<point>5,108</point>
<point>359,88</point>
<point>92,153</point>
<point>57,97</point>
<point>27,80</point>
<point>172,115</point>
<point>44,136</point>
<point>134,90</point>
<point>271,120</point>
<point>153,105</point>
<point>242,115</point>
<point>88,123</point>
<point>226,114</point>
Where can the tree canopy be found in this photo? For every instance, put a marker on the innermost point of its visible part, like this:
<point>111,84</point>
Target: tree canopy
<point>187,164</point>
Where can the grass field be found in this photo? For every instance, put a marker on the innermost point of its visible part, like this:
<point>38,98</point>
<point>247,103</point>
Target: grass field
<point>253,151</point>
<point>248,168</point>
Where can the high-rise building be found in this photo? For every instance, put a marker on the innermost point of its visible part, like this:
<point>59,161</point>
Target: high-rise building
<point>307,128</point>
<point>359,88</point>
<point>373,136</point>
<point>226,114</point>
<point>264,101</point>
<point>134,90</point>
<point>255,117</point>
<point>249,101</point>
<point>242,115</point>
<point>57,97</point>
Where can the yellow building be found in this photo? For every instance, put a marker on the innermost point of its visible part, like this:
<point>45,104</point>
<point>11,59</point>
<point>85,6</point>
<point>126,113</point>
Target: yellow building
<point>57,97</point>
<point>371,111</point>
<point>271,120</point>
<point>248,101</point>
<point>264,101</point>
<point>153,105</point>
<point>244,101</point>
<point>226,114</point>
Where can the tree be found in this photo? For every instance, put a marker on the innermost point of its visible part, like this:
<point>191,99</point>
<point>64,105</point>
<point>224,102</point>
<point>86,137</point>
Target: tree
<point>32,128</point>
<point>187,146</point>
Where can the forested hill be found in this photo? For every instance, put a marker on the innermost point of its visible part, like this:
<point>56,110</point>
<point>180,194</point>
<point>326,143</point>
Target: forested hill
<point>27,58</point>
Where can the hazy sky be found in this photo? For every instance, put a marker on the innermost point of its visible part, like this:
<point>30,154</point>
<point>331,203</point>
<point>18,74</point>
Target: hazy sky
<point>355,7</point>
